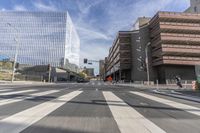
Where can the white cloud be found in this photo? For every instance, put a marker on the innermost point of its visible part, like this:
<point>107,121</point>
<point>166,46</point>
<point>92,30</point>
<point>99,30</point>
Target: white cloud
<point>120,17</point>
<point>3,9</point>
<point>89,34</point>
<point>19,8</point>
<point>123,17</point>
<point>45,7</point>
<point>85,7</point>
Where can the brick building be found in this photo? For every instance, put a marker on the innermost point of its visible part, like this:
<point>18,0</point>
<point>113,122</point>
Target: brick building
<point>175,39</point>
<point>158,48</point>
<point>118,62</point>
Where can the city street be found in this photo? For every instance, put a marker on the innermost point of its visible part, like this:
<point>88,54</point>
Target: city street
<point>96,107</point>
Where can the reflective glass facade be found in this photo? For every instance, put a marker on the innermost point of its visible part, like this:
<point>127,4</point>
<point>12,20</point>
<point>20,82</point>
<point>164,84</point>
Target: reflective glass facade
<point>40,37</point>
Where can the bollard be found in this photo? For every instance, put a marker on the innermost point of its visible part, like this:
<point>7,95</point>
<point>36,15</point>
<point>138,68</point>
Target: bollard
<point>185,84</point>
<point>195,85</point>
<point>167,82</point>
<point>157,84</point>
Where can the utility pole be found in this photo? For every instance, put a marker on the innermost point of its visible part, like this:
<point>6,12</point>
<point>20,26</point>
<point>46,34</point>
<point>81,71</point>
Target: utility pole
<point>49,73</point>
<point>147,61</point>
<point>16,50</point>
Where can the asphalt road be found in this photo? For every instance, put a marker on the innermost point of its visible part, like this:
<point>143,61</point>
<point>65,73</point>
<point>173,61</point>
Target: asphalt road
<point>96,107</point>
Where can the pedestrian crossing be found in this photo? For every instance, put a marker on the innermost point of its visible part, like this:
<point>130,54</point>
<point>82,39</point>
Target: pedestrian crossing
<point>1,90</point>
<point>24,119</point>
<point>187,108</point>
<point>123,113</point>
<point>97,83</point>
<point>127,118</point>
<point>16,92</point>
<point>21,98</point>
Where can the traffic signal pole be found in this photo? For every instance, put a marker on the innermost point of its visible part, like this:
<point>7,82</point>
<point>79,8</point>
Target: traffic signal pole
<point>49,76</point>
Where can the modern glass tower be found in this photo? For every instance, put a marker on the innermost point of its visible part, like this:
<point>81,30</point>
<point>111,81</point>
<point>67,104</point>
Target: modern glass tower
<point>40,38</point>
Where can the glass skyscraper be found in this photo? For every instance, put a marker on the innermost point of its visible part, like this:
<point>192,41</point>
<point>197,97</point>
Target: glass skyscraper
<point>40,38</point>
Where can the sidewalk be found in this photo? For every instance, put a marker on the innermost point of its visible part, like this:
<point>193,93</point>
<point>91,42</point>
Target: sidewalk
<point>2,82</point>
<point>159,86</point>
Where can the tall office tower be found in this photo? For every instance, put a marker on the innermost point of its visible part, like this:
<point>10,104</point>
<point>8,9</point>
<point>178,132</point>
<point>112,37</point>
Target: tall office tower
<point>39,38</point>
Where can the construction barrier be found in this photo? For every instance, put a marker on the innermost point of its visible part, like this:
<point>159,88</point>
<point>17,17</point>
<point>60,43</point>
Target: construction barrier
<point>195,85</point>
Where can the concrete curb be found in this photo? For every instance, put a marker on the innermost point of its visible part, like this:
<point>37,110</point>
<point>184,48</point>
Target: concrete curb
<point>174,87</point>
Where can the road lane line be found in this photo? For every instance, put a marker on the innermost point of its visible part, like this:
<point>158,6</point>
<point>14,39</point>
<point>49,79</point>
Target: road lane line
<point>127,118</point>
<point>18,99</point>
<point>187,108</point>
<point>20,121</point>
<point>16,92</point>
<point>5,90</point>
<point>80,89</point>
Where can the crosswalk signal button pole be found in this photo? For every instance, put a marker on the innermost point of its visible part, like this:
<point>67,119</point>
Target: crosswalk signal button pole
<point>49,71</point>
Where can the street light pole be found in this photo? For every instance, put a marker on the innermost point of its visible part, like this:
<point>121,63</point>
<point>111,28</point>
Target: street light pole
<point>16,51</point>
<point>147,61</point>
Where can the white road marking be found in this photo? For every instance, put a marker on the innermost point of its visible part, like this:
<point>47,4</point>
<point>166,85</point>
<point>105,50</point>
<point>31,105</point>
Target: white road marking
<point>187,108</point>
<point>80,89</point>
<point>175,92</point>
<point>5,90</point>
<point>18,99</point>
<point>16,92</point>
<point>20,121</point>
<point>93,83</point>
<point>127,118</point>
<point>178,95</point>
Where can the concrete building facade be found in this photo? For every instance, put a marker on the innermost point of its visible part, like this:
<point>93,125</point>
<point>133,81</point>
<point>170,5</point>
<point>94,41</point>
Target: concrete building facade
<point>194,7</point>
<point>118,62</point>
<point>158,49</point>
<point>140,40</point>
<point>175,39</point>
<point>89,72</point>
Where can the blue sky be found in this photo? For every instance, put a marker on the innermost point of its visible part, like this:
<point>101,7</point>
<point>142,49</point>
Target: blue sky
<point>98,21</point>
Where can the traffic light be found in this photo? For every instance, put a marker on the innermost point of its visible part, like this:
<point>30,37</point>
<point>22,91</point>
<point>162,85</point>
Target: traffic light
<point>85,61</point>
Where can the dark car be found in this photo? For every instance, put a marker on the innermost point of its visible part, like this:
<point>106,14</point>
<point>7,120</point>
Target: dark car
<point>82,80</point>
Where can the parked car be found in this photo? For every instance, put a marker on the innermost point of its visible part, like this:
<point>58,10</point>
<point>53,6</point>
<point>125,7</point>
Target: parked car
<point>82,80</point>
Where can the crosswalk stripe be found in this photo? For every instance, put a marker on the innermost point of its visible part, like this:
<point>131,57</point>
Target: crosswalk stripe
<point>16,92</point>
<point>127,118</point>
<point>20,121</point>
<point>5,90</point>
<point>18,99</point>
<point>187,108</point>
<point>178,95</point>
